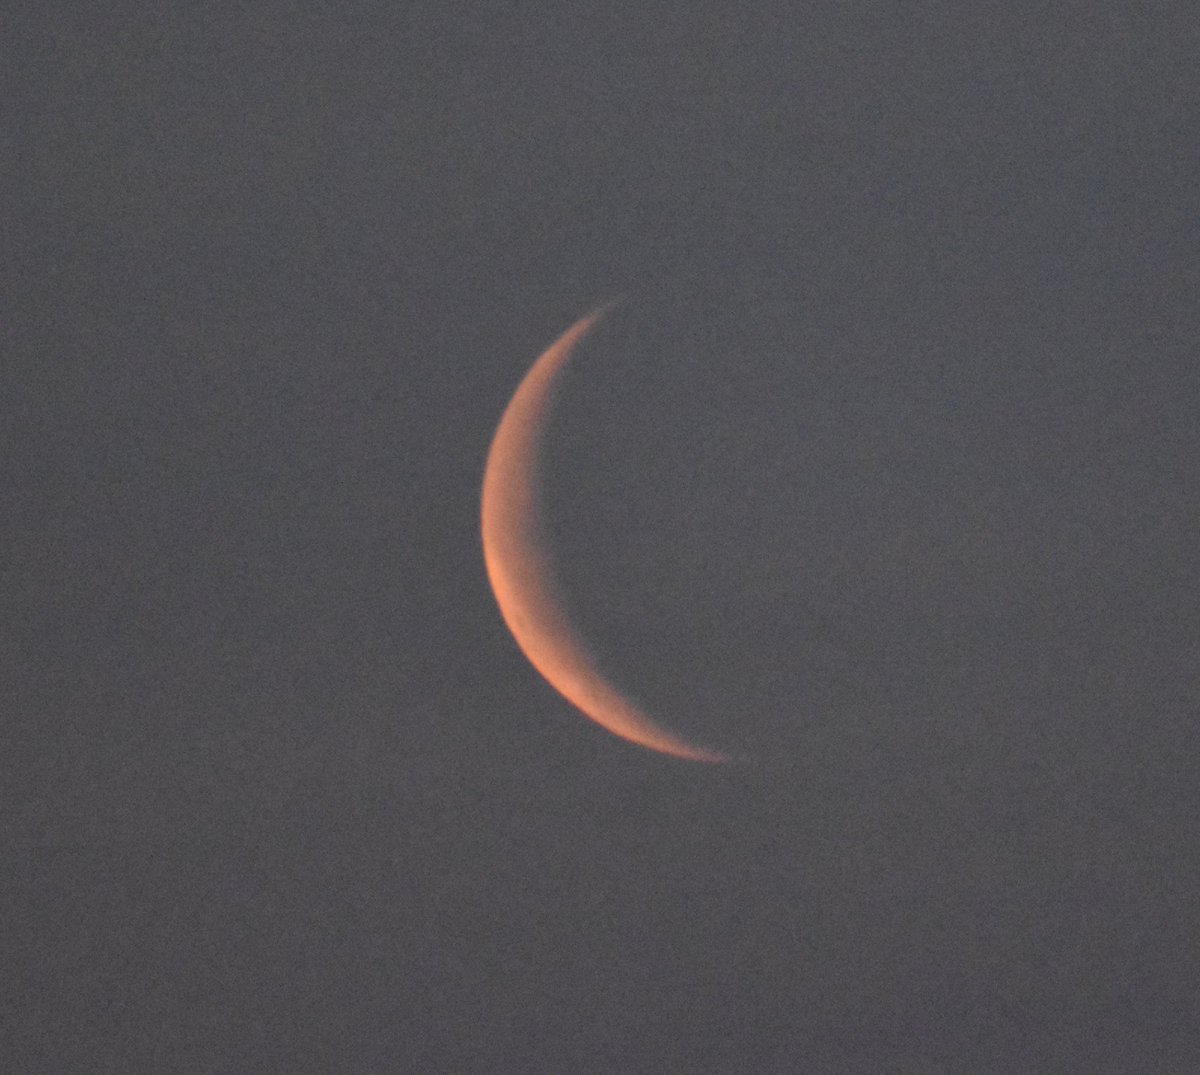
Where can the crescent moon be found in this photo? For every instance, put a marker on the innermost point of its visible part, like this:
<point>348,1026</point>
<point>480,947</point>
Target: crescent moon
<point>520,571</point>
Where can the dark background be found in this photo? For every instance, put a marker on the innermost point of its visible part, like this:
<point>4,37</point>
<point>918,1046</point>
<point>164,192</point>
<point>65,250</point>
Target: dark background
<point>884,473</point>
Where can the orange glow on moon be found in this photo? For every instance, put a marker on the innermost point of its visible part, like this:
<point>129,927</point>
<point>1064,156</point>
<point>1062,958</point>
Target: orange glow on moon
<point>519,567</point>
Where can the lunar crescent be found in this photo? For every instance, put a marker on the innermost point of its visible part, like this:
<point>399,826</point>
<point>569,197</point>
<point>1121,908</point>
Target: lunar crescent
<point>521,573</point>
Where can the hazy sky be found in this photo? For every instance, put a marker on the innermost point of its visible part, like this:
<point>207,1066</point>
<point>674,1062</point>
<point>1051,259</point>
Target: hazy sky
<point>885,471</point>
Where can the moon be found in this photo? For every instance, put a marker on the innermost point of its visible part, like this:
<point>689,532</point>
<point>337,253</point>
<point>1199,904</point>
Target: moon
<point>520,570</point>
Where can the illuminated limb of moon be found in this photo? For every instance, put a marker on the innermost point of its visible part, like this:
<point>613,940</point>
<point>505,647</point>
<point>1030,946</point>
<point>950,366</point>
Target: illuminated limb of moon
<point>522,576</point>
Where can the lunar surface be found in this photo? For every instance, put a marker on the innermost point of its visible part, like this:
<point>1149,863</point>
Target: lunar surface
<point>520,569</point>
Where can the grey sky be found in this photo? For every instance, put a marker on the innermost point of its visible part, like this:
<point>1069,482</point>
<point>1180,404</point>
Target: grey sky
<point>884,470</point>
